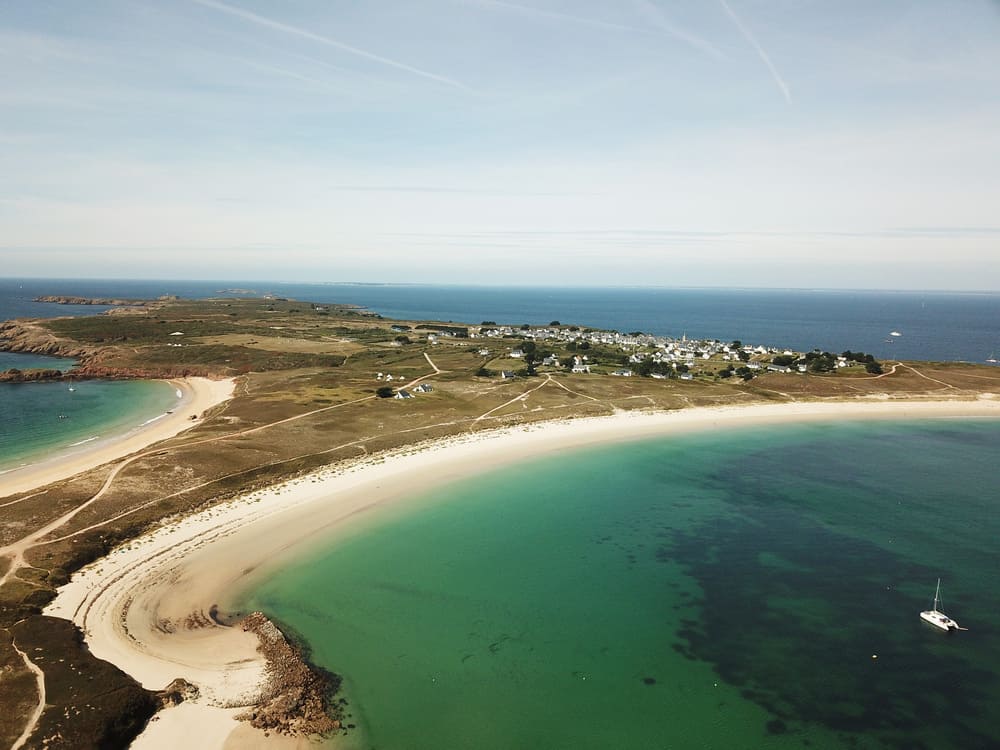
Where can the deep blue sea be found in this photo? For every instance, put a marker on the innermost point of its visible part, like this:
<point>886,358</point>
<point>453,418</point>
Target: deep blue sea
<point>934,325</point>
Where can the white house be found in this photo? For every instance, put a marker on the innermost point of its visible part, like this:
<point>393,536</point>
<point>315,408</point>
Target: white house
<point>403,394</point>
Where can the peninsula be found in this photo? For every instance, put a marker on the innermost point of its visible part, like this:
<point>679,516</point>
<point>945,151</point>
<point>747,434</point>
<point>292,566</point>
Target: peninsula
<point>292,403</point>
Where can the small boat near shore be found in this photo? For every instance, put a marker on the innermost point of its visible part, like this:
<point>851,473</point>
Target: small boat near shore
<point>937,618</point>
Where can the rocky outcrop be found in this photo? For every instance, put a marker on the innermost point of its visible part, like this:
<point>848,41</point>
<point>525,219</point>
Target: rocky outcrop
<point>296,699</point>
<point>176,692</point>
<point>13,375</point>
<point>60,300</point>
<point>29,338</point>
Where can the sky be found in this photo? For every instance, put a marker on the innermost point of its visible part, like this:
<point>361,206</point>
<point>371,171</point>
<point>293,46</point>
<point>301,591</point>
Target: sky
<point>752,143</point>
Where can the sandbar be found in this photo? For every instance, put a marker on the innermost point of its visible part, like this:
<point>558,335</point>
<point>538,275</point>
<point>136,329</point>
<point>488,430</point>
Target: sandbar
<point>136,605</point>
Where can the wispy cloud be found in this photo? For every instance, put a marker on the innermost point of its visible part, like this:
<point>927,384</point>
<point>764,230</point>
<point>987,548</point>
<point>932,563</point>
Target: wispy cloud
<point>658,18</point>
<point>432,189</point>
<point>660,22</point>
<point>760,51</point>
<point>320,39</point>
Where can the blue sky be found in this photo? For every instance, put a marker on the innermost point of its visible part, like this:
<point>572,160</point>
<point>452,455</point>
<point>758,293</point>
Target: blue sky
<point>789,143</point>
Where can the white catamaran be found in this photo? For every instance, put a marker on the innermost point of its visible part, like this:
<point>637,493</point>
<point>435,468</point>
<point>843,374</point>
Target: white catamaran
<point>937,618</point>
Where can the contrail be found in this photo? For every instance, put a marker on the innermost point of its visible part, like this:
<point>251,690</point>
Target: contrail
<point>306,34</point>
<point>760,51</point>
<point>660,20</point>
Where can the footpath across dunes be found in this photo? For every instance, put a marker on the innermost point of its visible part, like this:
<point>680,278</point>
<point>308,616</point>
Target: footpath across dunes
<point>304,380</point>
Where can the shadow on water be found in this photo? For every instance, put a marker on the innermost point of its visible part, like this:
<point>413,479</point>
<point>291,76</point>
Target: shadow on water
<point>809,625</point>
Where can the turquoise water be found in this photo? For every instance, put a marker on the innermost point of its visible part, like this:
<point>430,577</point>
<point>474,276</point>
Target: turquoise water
<point>43,419</point>
<point>708,591</point>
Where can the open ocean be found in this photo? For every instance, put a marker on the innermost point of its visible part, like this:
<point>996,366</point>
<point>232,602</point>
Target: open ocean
<point>934,325</point>
<point>717,590</point>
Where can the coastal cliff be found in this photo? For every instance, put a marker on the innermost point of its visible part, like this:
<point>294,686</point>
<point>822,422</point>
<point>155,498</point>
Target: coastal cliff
<point>29,338</point>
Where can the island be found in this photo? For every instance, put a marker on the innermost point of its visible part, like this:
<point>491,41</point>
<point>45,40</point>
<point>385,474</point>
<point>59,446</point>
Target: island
<point>284,400</point>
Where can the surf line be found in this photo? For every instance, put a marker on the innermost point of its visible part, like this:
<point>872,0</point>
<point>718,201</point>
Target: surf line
<point>86,440</point>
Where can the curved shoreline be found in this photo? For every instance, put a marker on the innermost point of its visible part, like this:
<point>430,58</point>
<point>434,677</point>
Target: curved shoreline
<point>197,395</point>
<point>147,606</point>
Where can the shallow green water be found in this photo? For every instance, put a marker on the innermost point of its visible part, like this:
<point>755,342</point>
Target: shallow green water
<point>710,591</point>
<point>42,419</point>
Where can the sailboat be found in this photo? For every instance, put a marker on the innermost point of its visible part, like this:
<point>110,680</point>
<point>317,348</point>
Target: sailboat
<point>937,618</point>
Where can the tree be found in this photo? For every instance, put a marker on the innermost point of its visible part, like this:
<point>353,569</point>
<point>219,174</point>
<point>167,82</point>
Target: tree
<point>873,368</point>
<point>384,391</point>
<point>555,323</point>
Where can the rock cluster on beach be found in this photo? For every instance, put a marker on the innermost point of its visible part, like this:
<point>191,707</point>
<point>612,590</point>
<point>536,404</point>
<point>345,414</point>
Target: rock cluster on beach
<point>295,700</point>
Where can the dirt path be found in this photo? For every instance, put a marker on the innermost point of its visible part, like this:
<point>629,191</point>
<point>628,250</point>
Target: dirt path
<point>36,714</point>
<point>522,397</point>
<point>928,377</point>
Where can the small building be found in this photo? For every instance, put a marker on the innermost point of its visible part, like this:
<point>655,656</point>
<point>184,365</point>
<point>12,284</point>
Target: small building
<point>623,373</point>
<point>507,374</point>
<point>551,361</point>
<point>687,376</point>
<point>517,354</point>
<point>484,352</point>
<point>423,388</point>
<point>779,368</point>
<point>403,394</point>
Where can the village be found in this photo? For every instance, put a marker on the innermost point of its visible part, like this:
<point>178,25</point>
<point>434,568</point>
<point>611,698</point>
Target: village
<point>511,352</point>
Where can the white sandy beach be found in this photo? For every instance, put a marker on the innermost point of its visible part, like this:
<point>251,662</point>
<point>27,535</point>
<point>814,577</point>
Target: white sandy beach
<point>133,604</point>
<point>196,396</point>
